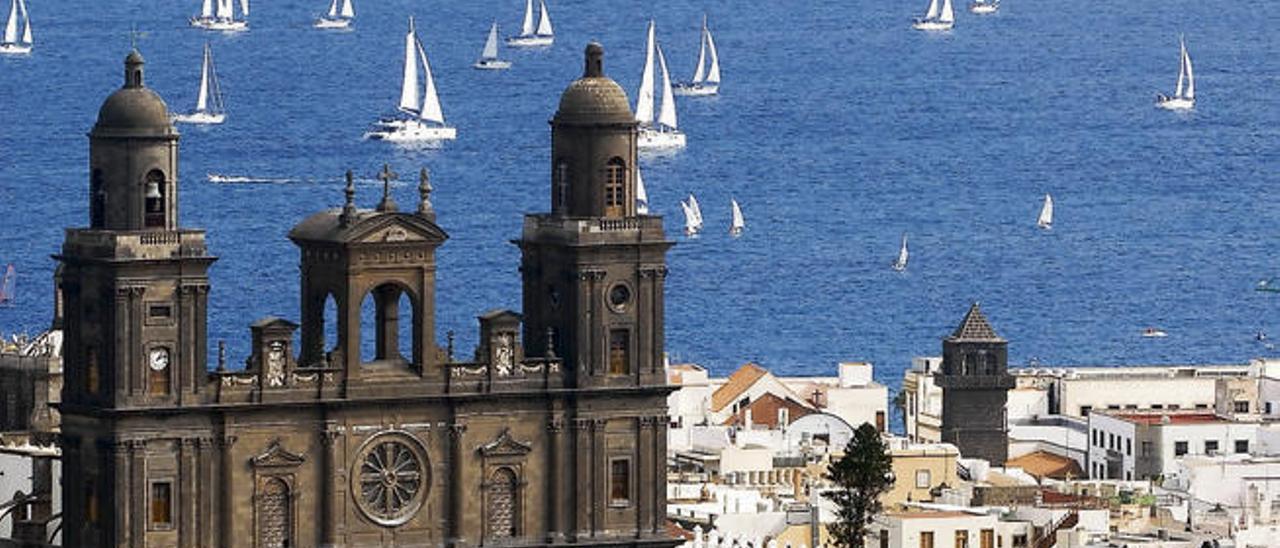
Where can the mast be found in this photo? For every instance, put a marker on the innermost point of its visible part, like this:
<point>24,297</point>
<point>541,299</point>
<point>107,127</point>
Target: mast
<point>491,44</point>
<point>526,29</point>
<point>409,85</point>
<point>903,254</point>
<point>667,117</point>
<point>431,111</point>
<point>544,20</point>
<point>644,98</point>
<point>1182,67</point>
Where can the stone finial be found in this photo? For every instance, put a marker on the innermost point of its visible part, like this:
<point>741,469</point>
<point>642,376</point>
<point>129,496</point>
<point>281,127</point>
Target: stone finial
<point>387,205</point>
<point>349,208</point>
<point>551,343</point>
<point>594,61</point>
<point>449,348</point>
<point>424,195</point>
<point>222,356</point>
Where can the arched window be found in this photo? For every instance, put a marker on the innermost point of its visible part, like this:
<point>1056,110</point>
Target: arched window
<point>274,515</point>
<point>155,199</point>
<point>97,200</point>
<point>615,193</point>
<point>991,364</point>
<point>560,187</point>
<point>503,509</point>
<point>391,310</point>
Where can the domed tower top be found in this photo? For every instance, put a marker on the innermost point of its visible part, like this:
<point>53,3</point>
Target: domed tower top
<point>134,110</point>
<point>594,98</point>
<point>133,157</point>
<point>593,146</point>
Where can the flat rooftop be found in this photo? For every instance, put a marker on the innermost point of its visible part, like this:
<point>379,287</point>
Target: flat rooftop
<point>1149,418</point>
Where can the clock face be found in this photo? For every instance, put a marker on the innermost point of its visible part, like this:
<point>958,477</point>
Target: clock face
<point>159,359</point>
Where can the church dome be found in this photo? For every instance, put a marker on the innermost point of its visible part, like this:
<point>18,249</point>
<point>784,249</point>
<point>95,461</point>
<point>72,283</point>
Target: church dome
<point>594,97</point>
<point>134,107</point>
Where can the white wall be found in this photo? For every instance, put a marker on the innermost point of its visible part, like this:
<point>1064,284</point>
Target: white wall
<point>1141,392</point>
<point>1107,433</point>
<point>859,405</point>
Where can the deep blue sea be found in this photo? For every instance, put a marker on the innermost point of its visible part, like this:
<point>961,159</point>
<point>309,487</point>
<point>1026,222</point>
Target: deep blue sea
<point>838,129</point>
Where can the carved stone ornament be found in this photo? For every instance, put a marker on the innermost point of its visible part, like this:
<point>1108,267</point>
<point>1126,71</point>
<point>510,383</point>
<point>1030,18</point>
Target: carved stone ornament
<point>505,445</point>
<point>390,478</point>
<point>277,457</point>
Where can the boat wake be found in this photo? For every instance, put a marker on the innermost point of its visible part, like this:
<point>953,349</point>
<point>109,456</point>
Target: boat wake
<point>224,179</point>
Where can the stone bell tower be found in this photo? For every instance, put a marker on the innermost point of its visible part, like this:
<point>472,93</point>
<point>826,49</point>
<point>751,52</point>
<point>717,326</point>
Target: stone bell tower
<point>975,384</point>
<point>594,269</point>
<point>135,289</point>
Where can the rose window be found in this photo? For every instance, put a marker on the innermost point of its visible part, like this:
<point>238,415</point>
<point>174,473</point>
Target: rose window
<point>390,479</point>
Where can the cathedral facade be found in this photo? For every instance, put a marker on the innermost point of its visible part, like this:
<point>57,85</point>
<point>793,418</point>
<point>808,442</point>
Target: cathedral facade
<point>554,434</point>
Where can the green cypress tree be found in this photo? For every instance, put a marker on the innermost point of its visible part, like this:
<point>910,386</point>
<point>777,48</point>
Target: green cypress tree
<point>860,476</point>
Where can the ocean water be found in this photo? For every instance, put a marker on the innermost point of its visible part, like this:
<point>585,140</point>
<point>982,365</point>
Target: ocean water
<point>839,128</point>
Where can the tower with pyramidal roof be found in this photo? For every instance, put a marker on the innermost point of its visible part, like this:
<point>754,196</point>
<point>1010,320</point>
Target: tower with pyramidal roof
<point>975,384</point>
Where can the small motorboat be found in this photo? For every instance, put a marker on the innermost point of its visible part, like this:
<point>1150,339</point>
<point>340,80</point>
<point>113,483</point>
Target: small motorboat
<point>1154,333</point>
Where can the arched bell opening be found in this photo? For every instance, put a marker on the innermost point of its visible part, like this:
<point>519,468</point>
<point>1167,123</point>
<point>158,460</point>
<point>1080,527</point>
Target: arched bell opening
<point>395,315</point>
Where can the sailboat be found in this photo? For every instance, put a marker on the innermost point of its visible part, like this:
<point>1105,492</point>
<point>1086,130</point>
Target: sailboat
<point>738,224</point>
<point>660,133</point>
<point>936,19</point>
<point>13,43</point>
<point>642,197</point>
<point>984,7</point>
<point>8,286</point>
<point>425,121</point>
<point>341,12</point>
<point>530,36</point>
<point>706,80</point>
<point>692,216</point>
<point>1183,98</point>
<point>489,57</point>
<point>1046,213</point>
<point>900,265</point>
<point>209,109</point>
<point>221,15</point>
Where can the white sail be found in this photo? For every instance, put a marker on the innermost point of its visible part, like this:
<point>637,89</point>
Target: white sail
<point>348,10</point>
<point>202,100</point>
<point>491,45</point>
<point>697,211</point>
<point>644,98</point>
<point>26,25</point>
<point>430,100</point>
<point>1046,213</point>
<point>544,20</point>
<point>699,74</point>
<point>244,7</point>
<point>690,221</point>
<point>713,75</point>
<point>206,9</point>
<point>933,10</point>
<point>948,15</point>
<point>667,116</point>
<point>903,256</point>
<point>1186,64</point>
<point>642,197</point>
<point>526,28</point>
<point>409,86</point>
<point>11,28</point>
<point>738,222</point>
<point>333,9</point>
<point>225,9</point>
<point>1182,68</point>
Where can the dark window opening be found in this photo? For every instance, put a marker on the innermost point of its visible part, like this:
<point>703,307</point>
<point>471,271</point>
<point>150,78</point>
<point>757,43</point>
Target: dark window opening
<point>620,482</point>
<point>1242,446</point>
<point>560,187</point>
<point>161,504</point>
<point>97,200</point>
<point>615,178</point>
<point>155,200</point>
<point>1179,448</point>
<point>1241,406</point>
<point>1211,447</point>
<point>160,311</point>
<point>619,352</point>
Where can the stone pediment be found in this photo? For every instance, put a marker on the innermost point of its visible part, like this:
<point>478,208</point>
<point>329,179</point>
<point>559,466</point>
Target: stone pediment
<point>505,446</point>
<point>393,228</point>
<point>276,456</point>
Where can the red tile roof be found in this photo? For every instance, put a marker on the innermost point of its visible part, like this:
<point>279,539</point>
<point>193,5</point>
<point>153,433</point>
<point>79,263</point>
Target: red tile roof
<point>738,382</point>
<point>764,411</point>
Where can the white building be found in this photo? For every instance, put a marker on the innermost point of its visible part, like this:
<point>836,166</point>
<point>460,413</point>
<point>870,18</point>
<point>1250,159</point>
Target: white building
<point>1129,445</point>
